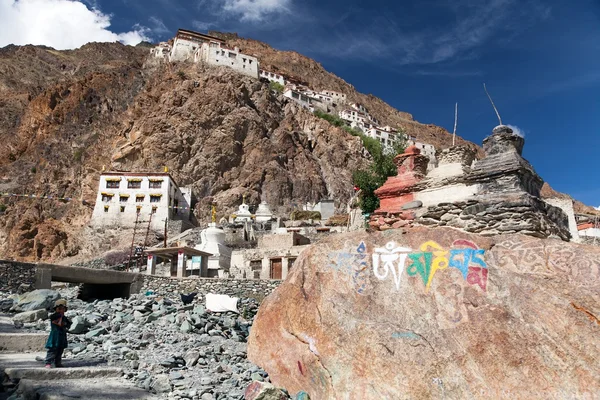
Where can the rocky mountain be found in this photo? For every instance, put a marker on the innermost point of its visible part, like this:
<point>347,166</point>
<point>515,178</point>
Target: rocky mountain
<point>64,115</point>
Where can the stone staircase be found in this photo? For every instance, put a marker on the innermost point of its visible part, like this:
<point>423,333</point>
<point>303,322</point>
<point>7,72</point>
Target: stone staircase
<point>24,376</point>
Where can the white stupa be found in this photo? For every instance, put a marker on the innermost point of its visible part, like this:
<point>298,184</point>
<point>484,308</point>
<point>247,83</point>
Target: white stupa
<point>213,241</point>
<point>263,213</point>
<point>243,214</point>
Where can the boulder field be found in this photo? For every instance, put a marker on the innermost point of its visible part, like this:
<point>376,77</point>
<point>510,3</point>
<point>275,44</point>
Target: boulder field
<point>434,313</point>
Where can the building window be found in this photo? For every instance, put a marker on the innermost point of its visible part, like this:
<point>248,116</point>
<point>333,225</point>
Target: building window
<point>112,184</point>
<point>105,209</point>
<point>134,184</point>
<point>139,199</point>
<point>138,209</point>
<point>250,61</point>
<point>154,210</point>
<point>122,208</point>
<point>155,184</point>
<point>106,197</point>
<point>256,268</point>
<point>291,262</point>
<point>155,198</point>
<point>123,198</point>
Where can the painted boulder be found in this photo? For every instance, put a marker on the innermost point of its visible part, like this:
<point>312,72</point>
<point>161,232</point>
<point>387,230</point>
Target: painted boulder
<point>434,313</point>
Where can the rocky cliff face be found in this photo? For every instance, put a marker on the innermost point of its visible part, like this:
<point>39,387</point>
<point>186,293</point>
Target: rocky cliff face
<point>66,114</point>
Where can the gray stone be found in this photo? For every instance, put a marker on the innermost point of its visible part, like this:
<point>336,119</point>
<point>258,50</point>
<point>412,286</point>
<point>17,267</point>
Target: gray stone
<point>161,384</point>
<point>95,333</point>
<point>78,325</point>
<point>412,204</point>
<point>191,358</point>
<point>186,327</point>
<point>31,316</point>
<point>36,300</point>
<point>175,375</point>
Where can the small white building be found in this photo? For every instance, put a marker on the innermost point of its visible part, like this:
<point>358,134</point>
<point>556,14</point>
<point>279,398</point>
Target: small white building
<point>187,42</point>
<point>272,259</point>
<point>356,119</point>
<point>337,97</point>
<point>426,149</point>
<point>387,137</point>
<point>162,50</point>
<point>263,213</point>
<point>215,53</point>
<point>272,76</point>
<point>299,98</point>
<point>151,197</point>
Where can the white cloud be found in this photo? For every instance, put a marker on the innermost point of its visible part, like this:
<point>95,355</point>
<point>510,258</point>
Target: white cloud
<point>62,24</point>
<point>255,10</point>
<point>517,130</point>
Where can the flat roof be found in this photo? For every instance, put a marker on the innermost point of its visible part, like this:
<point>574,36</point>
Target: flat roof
<point>199,35</point>
<point>123,173</point>
<point>174,251</point>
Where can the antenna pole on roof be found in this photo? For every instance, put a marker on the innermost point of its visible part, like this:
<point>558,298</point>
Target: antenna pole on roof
<point>455,122</point>
<point>493,105</point>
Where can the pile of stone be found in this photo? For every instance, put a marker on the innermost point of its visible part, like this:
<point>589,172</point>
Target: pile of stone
<point>179,351</point>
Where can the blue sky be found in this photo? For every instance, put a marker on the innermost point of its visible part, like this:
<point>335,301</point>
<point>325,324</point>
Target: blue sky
<point>540,59</point>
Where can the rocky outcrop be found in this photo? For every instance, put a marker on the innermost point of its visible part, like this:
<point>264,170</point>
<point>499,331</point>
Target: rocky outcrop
<point>434,313</point>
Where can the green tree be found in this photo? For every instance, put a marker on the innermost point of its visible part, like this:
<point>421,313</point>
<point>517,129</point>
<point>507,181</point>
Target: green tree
<point>381,168</point>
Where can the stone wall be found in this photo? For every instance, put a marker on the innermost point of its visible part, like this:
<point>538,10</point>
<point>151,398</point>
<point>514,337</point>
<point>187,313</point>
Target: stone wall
<point>16,277</point>
<point>254,288</point>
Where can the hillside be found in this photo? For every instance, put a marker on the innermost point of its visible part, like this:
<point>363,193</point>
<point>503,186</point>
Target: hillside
<point>66,114</point>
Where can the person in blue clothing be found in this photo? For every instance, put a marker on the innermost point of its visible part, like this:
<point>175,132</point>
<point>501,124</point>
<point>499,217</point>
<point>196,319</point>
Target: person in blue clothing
<point>57,341</point>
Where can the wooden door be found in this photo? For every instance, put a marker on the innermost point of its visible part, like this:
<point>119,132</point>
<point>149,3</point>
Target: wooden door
<point>276,268</point>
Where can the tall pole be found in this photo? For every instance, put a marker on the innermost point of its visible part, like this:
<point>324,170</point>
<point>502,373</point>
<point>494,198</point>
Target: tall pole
<point>147,231</point>
<point>166,222</point>
<point>455,121</point>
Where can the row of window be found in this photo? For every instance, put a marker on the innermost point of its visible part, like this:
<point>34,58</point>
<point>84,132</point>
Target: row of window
<point>133,184</point>
<point>154,198</point>
<point>138,209</point>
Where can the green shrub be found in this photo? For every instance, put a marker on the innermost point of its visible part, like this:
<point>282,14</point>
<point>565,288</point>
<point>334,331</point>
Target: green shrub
<point>181,75</point>
<point>2,207</point>
<point>33,170</point>
<point>299,215</point>
<point>332,119</point>
<point>276,86</point>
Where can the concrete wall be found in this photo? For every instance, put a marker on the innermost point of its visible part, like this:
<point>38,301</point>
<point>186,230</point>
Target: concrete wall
<point>16,276</point>
<point>254,288</point>
<point>119,206</point>
<point>567,206</point>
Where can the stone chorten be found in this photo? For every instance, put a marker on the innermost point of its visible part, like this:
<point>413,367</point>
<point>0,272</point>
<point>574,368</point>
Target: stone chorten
<point>498,194</point>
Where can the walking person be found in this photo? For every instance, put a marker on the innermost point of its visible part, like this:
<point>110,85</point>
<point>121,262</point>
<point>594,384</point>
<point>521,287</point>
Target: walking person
<point>57,341</point>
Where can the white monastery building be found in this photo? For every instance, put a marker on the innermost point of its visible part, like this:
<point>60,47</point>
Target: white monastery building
<point>336,96</point>
<point>198,47</point>
<point>124,197</point>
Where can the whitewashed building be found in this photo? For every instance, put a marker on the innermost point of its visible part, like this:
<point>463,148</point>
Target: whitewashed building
<point>272,76</point>
<point>387,137</point>
<point>187,42</point>
<point>272,259</point>
<point>356,119</point>
<point>162,50</point>
<point>299,98</point>
<point>151,197</point>
<point>337,97</point>
<point>215,53</point>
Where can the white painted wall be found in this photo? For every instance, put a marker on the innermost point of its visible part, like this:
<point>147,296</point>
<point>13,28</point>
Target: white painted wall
<point>214,53</point>
<point>336,96</point>
<point>590,232</point>
<point>183,49</point>
<point>446,194</point>
<point>567,206</point>
<point>298,97</point>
